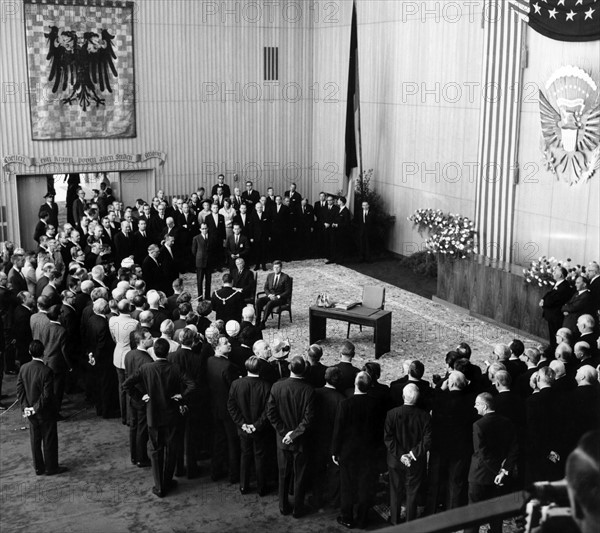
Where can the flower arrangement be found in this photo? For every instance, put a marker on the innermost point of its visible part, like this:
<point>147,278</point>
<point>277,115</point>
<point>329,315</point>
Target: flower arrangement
<point>448,233</point>
<point>540,271</point>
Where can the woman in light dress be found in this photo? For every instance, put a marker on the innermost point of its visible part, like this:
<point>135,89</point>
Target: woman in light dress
<point>228,213</point>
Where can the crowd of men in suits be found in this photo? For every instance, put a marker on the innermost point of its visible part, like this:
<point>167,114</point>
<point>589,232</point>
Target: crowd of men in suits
<point>133,339</point>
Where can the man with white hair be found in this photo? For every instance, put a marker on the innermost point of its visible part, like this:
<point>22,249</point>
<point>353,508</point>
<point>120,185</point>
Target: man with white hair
<point>98,275</point>
<point>152,269</point>
<point>153,298</point>
<point>248,318</point>
<point>583,355</point>
<point>584,406</point>
<point>543,448</point>
<point>407,436</point>
<point>586,326</point>
<point>124,245</point>
<point>262,350</point>
<point>121,328</point>
<point>220,374</point>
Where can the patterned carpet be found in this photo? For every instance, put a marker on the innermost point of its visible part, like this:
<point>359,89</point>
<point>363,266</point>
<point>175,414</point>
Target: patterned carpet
<point>421,328</point>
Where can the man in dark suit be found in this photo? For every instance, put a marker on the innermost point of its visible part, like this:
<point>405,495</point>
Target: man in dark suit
<point>170,265</point>
<point>243,219</point>
<point>216,224</point>
<point>451,444</point>
<point>347,369</point>
<point>35,392</point>
<point>221,183</point>
<point>294,196</point>
<point>340,234</point>
<point>280,228</point>
<point>407,436</point>
<point>237,246</point>
<point>278,290</point>
<point>542,447</point>
<point>124,244</point>
<point>259,233</point>
<point>328,216</point>
<point>365,222</point>
<point>291,411</point>
<point>200,252</point>
<point>71,321</point>
<point>354,441</point>
<point>79,207</point>
<point>15,278</point>
<point>243,279</point>
<point>220,374</point>
<point>315,373</point>
<point>51,208</point>
<point>325,473</point>
<point>189,363</point>
<point>579,304</point>
<point>41,227</point>
<point>188,228</point>
<point>320,207</point>
<point>152,269</point>
<point>495,453</point>
<point>416,370</point>
<point>165,390</point>
<point>101,348</point>
<point>593,271</point>
<point>158,222</point>
<point>247,406</point>
<point>250,197</point>
<point>22,326</point>
<point>304,228</point>
<point>583,407</point>
<point>227,302</point>
<point>553,301</point>
<point>141,241</point>
<point>138,356</point>
<point>51,289</point>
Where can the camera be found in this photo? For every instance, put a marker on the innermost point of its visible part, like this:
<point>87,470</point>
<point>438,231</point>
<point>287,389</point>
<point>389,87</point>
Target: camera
<point>548,510</point>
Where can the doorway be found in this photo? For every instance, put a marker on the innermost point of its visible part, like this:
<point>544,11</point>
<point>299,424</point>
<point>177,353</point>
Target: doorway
<point>127,186</point>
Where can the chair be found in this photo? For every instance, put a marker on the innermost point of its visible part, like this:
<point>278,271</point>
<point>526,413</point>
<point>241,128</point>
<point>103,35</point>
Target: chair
<point>282,307</point>
<point>374,297</point>
<point>252,299</point>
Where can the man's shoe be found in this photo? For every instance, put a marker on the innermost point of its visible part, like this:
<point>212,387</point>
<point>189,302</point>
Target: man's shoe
<point>244,490</point>
<point>299,513</point>
<point>59,470</point>
<point>263,492</point>
<point>180,473</point>
<point>343,522</point>
<point>39,472</point>
<point>256,268</point>
<point>144,464</point>
<point>158,492</point>
<point>60,418</point>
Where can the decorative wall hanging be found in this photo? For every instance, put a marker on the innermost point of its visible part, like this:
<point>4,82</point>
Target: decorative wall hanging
<point>80,61</point>
<point>570,116</point>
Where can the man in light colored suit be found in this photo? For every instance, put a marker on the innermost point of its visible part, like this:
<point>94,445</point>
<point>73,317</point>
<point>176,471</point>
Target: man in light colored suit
<point>121,327</point>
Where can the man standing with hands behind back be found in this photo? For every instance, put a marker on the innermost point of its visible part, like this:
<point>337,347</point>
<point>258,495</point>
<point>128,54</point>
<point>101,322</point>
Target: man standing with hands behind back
<point>35,390</point>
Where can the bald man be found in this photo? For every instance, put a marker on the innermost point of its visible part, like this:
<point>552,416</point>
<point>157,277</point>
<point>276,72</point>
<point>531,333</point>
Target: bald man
<point>407,436</point>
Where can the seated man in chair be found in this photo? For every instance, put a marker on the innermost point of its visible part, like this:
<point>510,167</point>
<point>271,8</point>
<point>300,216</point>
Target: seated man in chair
<point>278,289</point>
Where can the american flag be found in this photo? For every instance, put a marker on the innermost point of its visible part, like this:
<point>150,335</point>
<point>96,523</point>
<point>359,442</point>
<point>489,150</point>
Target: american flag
<point>563,20</point>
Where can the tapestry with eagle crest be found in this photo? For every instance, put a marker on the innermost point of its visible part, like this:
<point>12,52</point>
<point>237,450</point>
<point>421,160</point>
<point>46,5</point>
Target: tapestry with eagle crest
<point>80,61</point>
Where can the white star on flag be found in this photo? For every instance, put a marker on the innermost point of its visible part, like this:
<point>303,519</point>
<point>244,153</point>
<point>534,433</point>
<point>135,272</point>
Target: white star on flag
<point>537,8</point>
<point>552,13</point>
<point>579,2</point>
<point>571,15</point>
<point>561,2</point>
<point>588,14</point>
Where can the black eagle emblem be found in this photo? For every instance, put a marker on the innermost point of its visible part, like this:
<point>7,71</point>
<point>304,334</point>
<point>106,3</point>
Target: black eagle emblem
<point>83,69</point>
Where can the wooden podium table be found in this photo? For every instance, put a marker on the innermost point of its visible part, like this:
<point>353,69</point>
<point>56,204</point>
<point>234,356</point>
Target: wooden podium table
<point>381,321</point>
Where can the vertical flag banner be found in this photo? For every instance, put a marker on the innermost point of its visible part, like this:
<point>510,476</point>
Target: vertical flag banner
<point>353,161</point>
<point>80,60</point>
